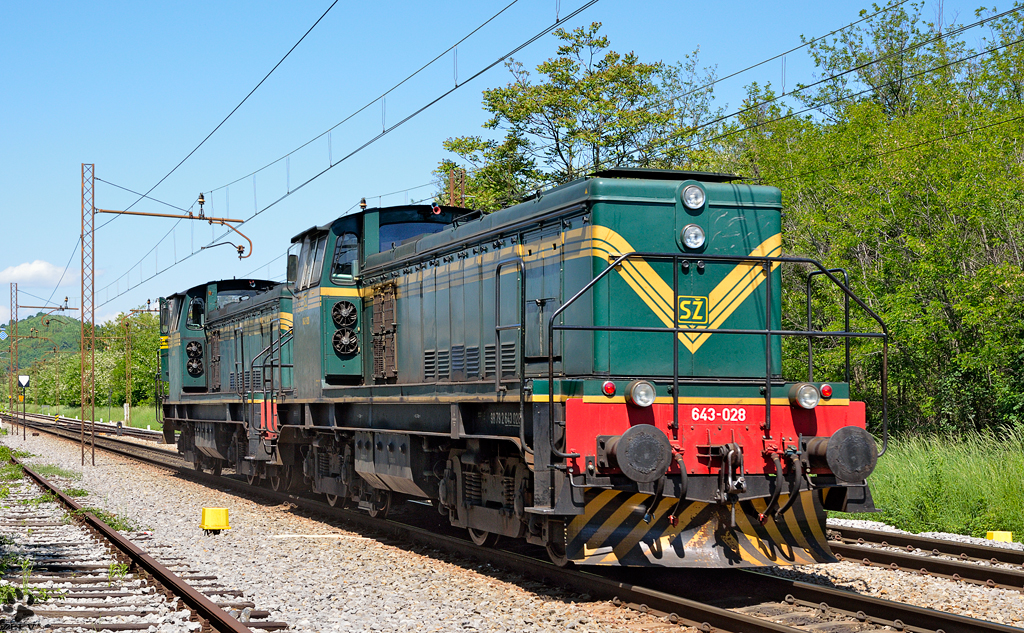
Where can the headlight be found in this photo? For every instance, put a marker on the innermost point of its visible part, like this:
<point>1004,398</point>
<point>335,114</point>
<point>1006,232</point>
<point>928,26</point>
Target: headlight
<point>804,394</point>
<point>641,393</point>
<point>693,236</point>
<point>693,197</point>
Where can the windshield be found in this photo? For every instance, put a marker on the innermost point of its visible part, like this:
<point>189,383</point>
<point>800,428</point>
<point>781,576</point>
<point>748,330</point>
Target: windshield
<point>392,235</point>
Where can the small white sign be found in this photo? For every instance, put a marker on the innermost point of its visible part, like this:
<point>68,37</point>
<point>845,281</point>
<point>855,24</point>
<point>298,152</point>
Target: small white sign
<point>23,382</point>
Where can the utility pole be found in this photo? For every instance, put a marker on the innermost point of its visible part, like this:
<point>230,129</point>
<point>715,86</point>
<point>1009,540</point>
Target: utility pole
<point>127,367</point>
<point>456,187</point>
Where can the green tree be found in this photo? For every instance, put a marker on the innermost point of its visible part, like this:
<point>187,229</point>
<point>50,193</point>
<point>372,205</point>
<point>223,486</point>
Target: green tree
<point>592,108</point>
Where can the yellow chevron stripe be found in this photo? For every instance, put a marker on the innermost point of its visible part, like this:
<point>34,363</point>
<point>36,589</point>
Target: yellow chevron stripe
<point>658,295</point>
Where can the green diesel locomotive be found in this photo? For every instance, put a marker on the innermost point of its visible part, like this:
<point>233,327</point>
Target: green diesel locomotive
<point>597,370</point>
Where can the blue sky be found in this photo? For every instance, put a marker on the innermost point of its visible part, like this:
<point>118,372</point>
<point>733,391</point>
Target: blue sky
<point>134,86</point>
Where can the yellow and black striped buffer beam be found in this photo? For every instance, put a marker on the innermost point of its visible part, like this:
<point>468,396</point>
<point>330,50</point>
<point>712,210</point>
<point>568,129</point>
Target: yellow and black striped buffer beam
<point>612,531</point>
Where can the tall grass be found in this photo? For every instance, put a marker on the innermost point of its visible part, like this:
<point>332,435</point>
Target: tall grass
<point>968,484</point>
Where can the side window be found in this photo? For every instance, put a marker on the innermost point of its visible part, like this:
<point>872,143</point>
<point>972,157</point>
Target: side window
<point>196,317</point>
<point>305,263</point>
<point>312,261</point>
<point>176,314</point>
<point>318,262</point>
<point>345,255</point>
<point>165,317</point>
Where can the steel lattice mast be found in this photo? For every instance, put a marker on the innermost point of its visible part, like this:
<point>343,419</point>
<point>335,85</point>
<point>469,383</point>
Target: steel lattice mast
<point>12,349</point>
<point>88,339</point>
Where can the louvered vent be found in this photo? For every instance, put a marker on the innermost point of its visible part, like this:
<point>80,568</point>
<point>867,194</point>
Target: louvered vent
<point>489,360</point>
<point>443,365</point>
<point>508,359</point>
<point>231,381</point>
<point>429,364</point>
<point>473,361</point>
<point>458,359</point>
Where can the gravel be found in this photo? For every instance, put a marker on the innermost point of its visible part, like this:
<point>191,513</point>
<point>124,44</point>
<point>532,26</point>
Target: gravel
<point>342,581</point>
<point>345,580</point>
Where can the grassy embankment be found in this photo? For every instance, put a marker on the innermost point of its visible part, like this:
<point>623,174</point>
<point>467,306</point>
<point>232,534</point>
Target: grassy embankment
<point>967,485</point>
<point>141,415</point>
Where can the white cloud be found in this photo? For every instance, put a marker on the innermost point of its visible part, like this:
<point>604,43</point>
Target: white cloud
<point>37,273</point>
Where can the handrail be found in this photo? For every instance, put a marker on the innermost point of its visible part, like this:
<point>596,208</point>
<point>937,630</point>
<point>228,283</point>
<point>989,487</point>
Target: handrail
<point>767,263</point>
<point>521,326</point>
<point>266,354</point>
<point>846,312</point>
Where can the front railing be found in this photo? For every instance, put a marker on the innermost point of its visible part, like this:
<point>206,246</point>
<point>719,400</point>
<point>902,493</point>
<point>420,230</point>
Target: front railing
<point>683,261</point>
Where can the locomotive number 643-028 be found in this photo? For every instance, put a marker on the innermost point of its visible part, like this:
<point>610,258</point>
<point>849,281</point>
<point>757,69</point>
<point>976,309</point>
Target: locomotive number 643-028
<point>718,414</point>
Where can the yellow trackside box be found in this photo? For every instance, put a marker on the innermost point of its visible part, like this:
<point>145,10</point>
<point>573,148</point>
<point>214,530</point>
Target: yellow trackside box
<point>214,520</point>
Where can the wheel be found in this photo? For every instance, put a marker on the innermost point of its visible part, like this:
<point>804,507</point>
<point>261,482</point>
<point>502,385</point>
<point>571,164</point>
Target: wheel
<point>251,479</point>
<point>381,504</point>
<point>218,469</point>
<point>197,462</point>
<point>482,538</point>
<point>556,552</point>
<point>275,483</point>
<point>332,500</point>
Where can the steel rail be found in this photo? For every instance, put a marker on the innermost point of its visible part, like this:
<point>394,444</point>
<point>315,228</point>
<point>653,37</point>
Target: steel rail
<point>900,616</point>
<point>686,611</point>
<point>101,427</point>
<point>205,608</point>
<point>930,565</point>
<point>964,551</point>
<point>675,608</point>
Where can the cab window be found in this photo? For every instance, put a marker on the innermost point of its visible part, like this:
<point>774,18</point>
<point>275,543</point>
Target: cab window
<point>346,253</point>
<point>165,317</point>
<point>311,261</point>
<point>392,235</point>
<point>196,317</point>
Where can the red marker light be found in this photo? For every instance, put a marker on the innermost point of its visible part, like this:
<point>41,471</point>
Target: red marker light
<point>608,388</point>
<point>826,391</point>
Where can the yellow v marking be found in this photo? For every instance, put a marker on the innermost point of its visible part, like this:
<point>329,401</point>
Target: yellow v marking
<point>723,300</point>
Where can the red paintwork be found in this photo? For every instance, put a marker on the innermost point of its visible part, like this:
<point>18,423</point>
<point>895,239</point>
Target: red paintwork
<point>586,421</point>
<point>268,419</point>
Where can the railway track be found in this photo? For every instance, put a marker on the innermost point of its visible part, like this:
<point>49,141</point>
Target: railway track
<point>978,564</point>
<point>99,574</point>
<point>736,600</point>
<point>101,428</point>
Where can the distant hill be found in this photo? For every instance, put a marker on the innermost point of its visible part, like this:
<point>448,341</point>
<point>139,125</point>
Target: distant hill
<point>51,330</point>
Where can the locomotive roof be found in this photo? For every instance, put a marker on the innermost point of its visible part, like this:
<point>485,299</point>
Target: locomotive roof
<point>533,210</point>
<point>424,209</point>
<point>664,174</point>
<point>233,284</point>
